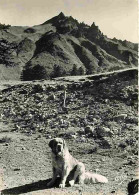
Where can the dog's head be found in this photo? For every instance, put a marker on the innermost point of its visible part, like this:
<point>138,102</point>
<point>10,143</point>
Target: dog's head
<point>58,146</point>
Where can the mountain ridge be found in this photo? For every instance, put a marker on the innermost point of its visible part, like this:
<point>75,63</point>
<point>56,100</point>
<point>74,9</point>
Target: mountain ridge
<point>61,45</point>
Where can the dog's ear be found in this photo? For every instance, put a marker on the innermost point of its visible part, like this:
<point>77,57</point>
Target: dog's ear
<point>51,143</point>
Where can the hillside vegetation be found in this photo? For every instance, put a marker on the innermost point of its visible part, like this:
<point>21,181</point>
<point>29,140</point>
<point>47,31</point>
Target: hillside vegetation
<point>61,45</point>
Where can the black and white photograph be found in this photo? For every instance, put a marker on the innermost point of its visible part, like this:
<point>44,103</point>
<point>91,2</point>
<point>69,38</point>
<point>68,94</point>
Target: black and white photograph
<point>69,97</point>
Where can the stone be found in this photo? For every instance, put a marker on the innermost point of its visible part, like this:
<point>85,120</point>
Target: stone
<point>37,89</point>
<point>104,132</point>
<point>51,97</point>
<point>132,119</point>
<point>89,129</point>
<point>120,117</point>
<point>106,143</point>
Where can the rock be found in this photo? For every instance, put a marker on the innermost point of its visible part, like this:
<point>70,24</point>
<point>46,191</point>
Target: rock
<point>30,30</point>
<point>48,136</point>
<point>68,134</point>
<point>81,132</point>
<point>82,139</point>
<point>120,117</point>
<point>51,97</point>
<point>87,84</point>
<point>106,101</point>
<point>104,132</point>
<point>61,87</point>
<point>106,143</point>
<point>89,129</point>
<point>95,120</point>
<point>122,145</point>
<point>51,88</point>
<point>5,140</point>
<point>132,119</point>
<point>41,130</point>
<point>37,89</point>
<point>23,91</point>
<point>74,136</point>
<point>16,169</point>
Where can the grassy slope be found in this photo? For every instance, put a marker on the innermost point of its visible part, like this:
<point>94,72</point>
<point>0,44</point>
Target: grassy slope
<point>50,44</point>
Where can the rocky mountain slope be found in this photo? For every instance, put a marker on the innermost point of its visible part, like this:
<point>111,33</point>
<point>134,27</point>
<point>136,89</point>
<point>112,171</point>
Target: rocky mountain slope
<point>102,106</point>
<point>61,46</point>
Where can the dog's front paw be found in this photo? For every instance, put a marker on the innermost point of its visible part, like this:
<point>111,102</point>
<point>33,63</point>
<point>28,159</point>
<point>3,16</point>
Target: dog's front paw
<point>62,185</point>
<point>71,182</point>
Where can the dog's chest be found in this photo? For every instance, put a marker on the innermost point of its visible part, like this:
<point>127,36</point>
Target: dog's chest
<point>58,163</point>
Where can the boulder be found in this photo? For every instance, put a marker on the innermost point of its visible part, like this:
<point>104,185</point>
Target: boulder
<point>104,132</point>
<point>106,143</point>
<point>51,97</point>
<point>132,119</point>
<point>89,129</point>
<point>120,117</point>
<point>37,89</point>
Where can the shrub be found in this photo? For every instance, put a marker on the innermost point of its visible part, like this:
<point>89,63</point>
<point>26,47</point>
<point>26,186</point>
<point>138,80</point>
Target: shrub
<point>58,71</point>
<point>81,71</point>
<point>4,26</point>
<point>36,73</point>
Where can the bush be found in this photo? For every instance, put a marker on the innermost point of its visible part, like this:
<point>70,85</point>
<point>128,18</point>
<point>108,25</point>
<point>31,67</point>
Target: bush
<point>77,71</point>
<point>81,71</point>
<point>58,71</point>
<point>4,26</point>
<point>38,72</point>
<point>89,69</point>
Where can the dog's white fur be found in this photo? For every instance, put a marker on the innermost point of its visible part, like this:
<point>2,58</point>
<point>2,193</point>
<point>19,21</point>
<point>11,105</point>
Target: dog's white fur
<point>63,163</point>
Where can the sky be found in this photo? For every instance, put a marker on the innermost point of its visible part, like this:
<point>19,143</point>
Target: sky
<point>115,18</point>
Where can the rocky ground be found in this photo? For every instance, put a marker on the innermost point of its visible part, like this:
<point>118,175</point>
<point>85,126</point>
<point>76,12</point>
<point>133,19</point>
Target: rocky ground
<point>98,121</point>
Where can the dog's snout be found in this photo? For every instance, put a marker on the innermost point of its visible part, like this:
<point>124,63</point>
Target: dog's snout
<point>59,148</point>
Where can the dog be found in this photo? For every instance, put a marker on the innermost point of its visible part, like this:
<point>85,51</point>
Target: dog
<point>69,168</point>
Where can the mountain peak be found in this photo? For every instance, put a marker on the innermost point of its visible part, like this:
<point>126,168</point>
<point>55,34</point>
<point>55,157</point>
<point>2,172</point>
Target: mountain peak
<point>61,15</point>
<point>55,19</point>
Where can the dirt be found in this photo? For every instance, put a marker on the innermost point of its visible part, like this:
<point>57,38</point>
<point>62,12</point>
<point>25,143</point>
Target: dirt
<point>99,128</point>
<point>26,166</point>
